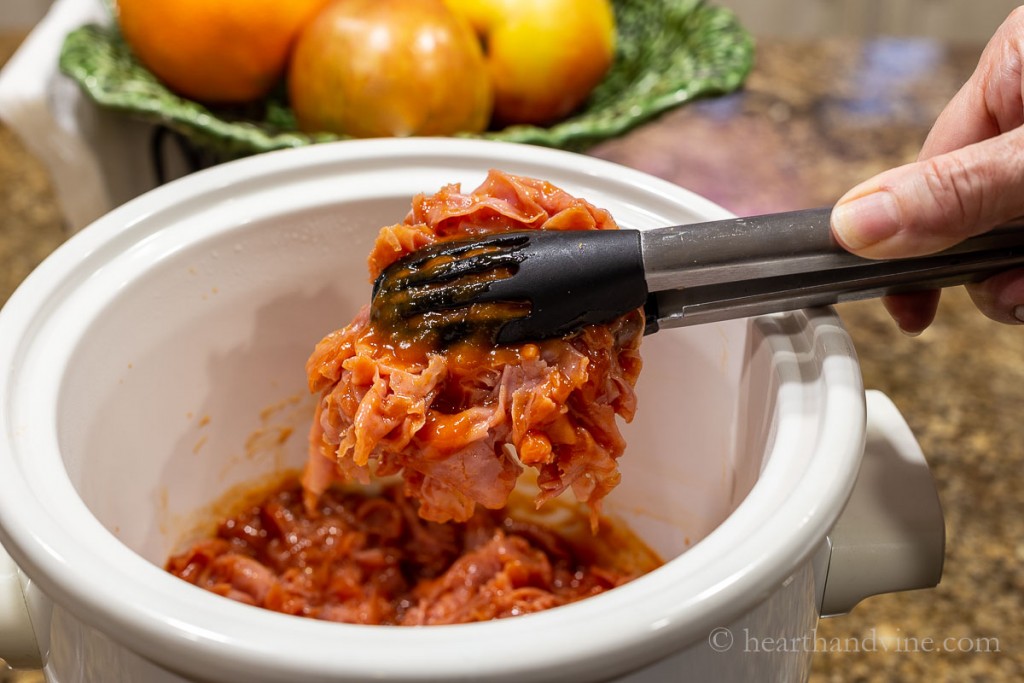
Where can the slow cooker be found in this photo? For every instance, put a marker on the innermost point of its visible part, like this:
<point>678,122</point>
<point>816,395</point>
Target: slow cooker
<point>155,361</point>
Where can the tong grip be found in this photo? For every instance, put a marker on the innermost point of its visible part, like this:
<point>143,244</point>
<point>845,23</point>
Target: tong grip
<point>801,265</point>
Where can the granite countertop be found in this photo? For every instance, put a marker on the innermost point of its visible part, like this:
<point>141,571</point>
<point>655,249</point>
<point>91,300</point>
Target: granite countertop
<point>815,118</point>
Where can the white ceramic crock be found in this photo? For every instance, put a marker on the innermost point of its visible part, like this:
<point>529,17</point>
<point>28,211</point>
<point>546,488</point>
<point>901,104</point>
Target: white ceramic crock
<point>156,360</point>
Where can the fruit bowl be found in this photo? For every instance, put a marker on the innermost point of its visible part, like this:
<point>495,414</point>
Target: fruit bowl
<point>669,52</point>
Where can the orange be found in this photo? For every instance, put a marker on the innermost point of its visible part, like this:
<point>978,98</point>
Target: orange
<point>215,51</point>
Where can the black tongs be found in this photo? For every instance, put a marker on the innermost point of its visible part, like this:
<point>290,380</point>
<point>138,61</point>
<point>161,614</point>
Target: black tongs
<point>524,286</point>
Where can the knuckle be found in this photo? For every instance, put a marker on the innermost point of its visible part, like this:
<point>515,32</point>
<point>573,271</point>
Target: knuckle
<point>998,296</point>
<point>956,189</point>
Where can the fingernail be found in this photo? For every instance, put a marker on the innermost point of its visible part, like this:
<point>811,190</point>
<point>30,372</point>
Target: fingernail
<point>1018,313</point>
<point>911,333</point>
<point>866,220</point>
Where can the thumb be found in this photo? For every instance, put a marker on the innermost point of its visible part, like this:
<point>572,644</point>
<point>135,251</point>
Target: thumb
<point>934,203</point>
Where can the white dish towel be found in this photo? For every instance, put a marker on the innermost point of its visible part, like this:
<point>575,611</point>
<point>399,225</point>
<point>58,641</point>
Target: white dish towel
<point>97,159</point>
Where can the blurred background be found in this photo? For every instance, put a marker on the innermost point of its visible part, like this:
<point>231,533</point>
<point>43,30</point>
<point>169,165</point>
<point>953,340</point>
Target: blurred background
<point>960,20</point>
<point>955,20</point>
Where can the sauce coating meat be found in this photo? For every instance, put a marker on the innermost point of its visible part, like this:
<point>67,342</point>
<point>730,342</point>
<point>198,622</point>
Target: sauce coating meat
<point>458,424</point>
<point>444,418</point>
<point>369,558</point>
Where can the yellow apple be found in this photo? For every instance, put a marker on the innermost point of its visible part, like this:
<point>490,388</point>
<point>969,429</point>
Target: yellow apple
<point>544,56</point>
<point>376,68</point>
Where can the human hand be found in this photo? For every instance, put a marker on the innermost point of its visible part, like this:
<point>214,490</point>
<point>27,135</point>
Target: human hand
<point>968,178</point>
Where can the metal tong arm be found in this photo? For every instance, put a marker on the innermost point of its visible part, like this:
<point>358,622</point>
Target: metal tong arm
<point>750,266</point>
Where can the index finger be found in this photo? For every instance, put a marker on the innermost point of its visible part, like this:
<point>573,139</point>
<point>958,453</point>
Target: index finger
<point>991,101</point>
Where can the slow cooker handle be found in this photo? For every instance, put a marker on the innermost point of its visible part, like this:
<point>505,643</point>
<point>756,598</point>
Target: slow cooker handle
<point>891,535</point>
<point>18,645</point>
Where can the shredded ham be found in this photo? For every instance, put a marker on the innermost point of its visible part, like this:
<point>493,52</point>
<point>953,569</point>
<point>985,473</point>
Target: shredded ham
<point>443,418</point>
<point>369,558</point>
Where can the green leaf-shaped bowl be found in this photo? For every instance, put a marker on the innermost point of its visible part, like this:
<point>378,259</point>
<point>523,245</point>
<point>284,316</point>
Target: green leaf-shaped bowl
<point>668,52</point>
